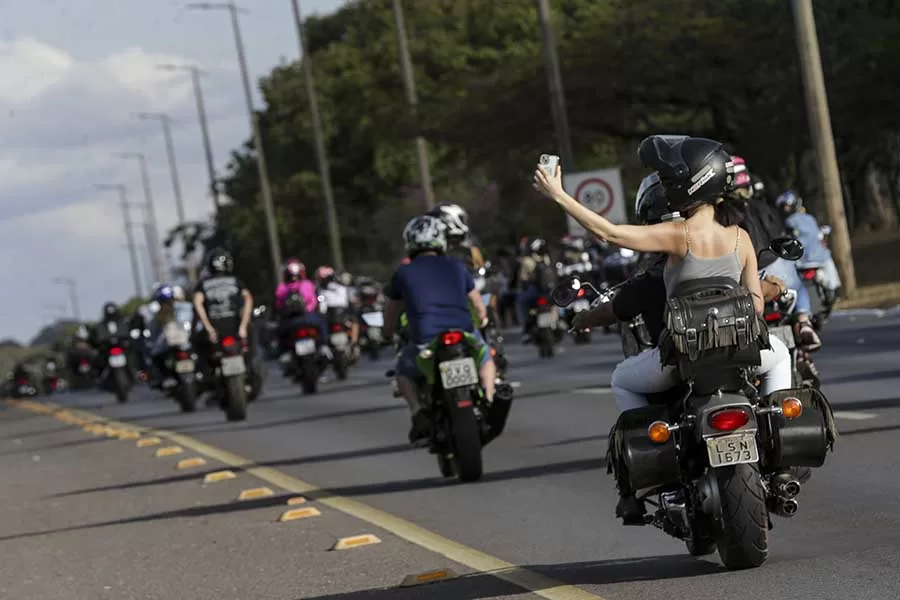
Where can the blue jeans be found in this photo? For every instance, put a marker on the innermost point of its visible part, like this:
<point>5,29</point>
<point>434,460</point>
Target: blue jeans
<point>406,363</point>
<point>787,272</point>
<point>526,298</point>
<point>312,319</point>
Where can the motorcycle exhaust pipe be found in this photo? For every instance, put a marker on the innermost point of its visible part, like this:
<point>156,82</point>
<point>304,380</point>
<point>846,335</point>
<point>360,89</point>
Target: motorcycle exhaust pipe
<point>786,486</point>
<point>787,508</point>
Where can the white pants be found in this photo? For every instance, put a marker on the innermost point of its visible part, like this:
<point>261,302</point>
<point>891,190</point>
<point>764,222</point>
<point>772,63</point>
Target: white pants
<point>642,374</point>
<point>831,275</point>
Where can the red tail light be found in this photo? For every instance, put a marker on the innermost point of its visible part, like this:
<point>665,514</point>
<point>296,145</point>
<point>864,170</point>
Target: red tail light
<point>115,351</point>
<point>337,328</point>
<point>21,382</point>
<point>229,341</point>
<point>542,301</point>
<point>451,337</point>
<point>580,292</point>
<point>729,419</point>
<point>83,362</point>
<point>182,356</point>
<point>808,275</point>
<point>773,317</point>
<point>307,332</point>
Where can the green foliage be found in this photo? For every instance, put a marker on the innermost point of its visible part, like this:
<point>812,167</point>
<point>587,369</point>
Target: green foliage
<point>726,69</point>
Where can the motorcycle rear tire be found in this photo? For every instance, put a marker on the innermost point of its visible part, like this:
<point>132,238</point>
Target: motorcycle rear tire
<point>545,344</point>
<point>466,435</point>
<point>446,465</point>
<point>187,396</point>
<point>120,385</point>
<point>744,541</point>
<point>235,398</point>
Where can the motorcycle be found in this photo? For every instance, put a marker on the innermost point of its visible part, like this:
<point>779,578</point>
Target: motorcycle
<point>180,361</point>
<point>53,382</point>
<point>370,328</point>
<point>778,316</point>
<point>24,387</point>
<point>339,341</point>
<point>490,333</point>
<point>714,459</point>
<point>545,321</point>
<point>230,377</point>
<point>822,299</point>
<point>462,422</point>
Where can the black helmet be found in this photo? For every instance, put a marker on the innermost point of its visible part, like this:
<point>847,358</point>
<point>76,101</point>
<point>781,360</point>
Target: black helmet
<point>219,262</point>
<point>692,170</point>
<point>651,204</point>
<point>110,311</point>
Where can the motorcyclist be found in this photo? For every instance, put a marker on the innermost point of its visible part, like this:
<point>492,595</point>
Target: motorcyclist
<point>335,303</point>
<point>172,309</point>
<point>222,303</point>
<point>535,277</point>
<point>805,228</point>
<point>461,245</point>
<point>295,282</point>
<point>763,225</point>
<point>434,291</point>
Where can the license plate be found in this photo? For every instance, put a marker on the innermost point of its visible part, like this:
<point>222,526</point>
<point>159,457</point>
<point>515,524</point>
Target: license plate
<point>581,305</point>
<point>84,368</point>
<point>304,347</point>
<point>339,340</point>
<point>785,333</point>
<point>184,366</point>
<point>117,361</point>
<point>233,365</point>
<point>457,373</point>
<point>732,450</point>
<point>375,334</point>
<point>374,319</point>
<point>545,320</point>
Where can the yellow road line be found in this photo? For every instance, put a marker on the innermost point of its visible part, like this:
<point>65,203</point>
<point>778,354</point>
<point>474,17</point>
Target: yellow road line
<point>530,581</point>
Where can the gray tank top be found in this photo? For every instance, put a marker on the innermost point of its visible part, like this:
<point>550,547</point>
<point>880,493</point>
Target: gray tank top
<point>693,267</point>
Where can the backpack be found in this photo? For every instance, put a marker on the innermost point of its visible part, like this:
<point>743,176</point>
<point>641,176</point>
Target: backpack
<point>709,321</point>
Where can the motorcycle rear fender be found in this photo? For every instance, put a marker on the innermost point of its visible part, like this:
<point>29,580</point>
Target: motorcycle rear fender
<point>704,406</point>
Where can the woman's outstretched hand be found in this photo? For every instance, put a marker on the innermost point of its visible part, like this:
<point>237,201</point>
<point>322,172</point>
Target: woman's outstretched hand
<point>549,185</point>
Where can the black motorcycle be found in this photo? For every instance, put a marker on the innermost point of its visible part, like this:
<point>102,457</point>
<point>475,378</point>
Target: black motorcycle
<point>230,377</point>
<point>24,386</point>
<point>114,370</point>
<point>339,342</point>
<point>544,325</point>
<point>461,420</point>
<point>179,379</point>
<point>713,458</point>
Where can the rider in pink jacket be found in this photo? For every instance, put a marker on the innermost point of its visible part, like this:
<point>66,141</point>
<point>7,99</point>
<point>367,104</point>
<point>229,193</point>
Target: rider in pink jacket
<point>295,280</point>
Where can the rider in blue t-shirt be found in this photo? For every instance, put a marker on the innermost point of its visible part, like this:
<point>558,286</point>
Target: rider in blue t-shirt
<point>434,291</point>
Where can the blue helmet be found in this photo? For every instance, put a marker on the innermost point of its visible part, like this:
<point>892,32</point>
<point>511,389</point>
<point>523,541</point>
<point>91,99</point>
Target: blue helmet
<point>790,199</point>
<point>164,293</point>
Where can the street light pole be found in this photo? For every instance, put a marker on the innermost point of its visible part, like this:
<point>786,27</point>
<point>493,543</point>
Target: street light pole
<point>334,233</point>
<point>170,154</point>
<point>204,127</point>
<point>410,84</point>
<point>73,294</point>
<point>153,245</point>
<point>823,139</point>
<point>148,234</point>
<point>266,192</point>
<point>132,252</point>
<point>554,81</point>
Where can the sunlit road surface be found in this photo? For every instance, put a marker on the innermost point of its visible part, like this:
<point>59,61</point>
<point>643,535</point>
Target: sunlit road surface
<point>140,501</point>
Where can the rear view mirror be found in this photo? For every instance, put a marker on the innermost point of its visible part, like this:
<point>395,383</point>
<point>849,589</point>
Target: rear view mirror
<point>566,292</point>
<point>787,248</point>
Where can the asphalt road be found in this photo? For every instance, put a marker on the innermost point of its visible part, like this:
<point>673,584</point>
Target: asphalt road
<point>539,523</point>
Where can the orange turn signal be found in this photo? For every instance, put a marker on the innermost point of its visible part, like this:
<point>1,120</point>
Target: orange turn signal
<point>658,432</point>
<point>791,408</point>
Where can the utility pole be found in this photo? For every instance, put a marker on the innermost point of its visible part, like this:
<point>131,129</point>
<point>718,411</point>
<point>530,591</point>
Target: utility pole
<point>554,81</point>
<point>409,83</point>
<point>170,153</point>
<point>823,139</point>
<point>204,127</point>
<point>132,251</point>
<point>153,245</point>
<point>266,192</point>
<point>334,233</point>
<point>148,234</point>
<point>70,283</point>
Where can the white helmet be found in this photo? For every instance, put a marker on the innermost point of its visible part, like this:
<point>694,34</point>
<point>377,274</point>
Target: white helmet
<point>424,233</point>
<point>454,218</point>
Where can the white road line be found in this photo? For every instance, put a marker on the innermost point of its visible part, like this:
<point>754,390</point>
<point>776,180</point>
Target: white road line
<point>594,390</point>
<point>853,416</point>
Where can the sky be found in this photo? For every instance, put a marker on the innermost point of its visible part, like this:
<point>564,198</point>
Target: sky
<point>72,76</point>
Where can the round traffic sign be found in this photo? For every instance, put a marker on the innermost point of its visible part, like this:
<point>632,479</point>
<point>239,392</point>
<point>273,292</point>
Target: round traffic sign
<point>595,194</point>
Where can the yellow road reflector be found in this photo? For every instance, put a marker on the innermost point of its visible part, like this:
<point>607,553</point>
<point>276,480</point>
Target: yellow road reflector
<point>148,441</point>
<point>95,429</point>
<point>129,435</point>
<point>428,577</point>
<point>188,463</point>
<point>356,541</point>
<point>254,493</point>
<point>296,500</point>
<point>112,431</point>
<point>219,476</point>
<point>169,451</point>
<point>299,513</point>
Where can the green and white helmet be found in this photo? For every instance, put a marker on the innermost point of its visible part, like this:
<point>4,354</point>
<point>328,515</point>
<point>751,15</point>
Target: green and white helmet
<point>423,234</point>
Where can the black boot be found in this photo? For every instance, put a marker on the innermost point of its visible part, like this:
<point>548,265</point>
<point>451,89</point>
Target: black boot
<point>420,427</point>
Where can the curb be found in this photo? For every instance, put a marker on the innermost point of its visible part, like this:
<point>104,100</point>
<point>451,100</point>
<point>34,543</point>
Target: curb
<point>867,312</point>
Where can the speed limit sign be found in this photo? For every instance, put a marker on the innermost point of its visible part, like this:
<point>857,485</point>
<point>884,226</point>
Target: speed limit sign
<point>600,191</point>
